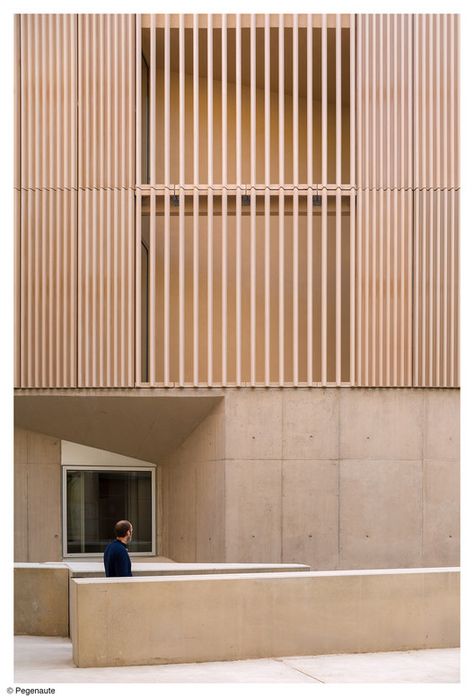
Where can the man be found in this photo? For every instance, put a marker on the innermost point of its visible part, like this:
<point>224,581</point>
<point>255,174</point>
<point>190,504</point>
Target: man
<point>116,559</point>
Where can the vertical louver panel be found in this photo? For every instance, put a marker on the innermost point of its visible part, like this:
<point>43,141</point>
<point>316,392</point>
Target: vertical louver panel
<point>106,312</point>
<point>17,288</point>
<point>384,200</point>
<point>236,200</point>
<point>249,140</point>
<point>106,101</point>
<point>48,98</point>
<point>436,45</point>
<point>436,180</point>
<point>436,279</point>
<point>106,226</point>
<point>48,288</point>
<point>17,200</point>
<point>47,201</point>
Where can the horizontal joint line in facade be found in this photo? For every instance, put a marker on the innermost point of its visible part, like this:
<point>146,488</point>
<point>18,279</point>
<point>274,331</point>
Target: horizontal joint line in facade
<point>262,188</point>
<point>234,385</point>
<point>75,188</point>
<point>314,188</point>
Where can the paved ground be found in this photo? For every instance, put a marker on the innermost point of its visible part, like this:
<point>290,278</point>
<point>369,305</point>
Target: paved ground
<point>49,660</point>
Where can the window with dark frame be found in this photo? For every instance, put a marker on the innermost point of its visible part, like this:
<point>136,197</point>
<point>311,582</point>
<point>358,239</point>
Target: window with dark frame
<point>95,499</point>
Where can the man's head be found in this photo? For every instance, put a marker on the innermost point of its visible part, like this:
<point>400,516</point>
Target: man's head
<point>124,531</point>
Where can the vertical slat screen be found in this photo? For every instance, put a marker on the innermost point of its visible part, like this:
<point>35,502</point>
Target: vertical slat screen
<point>106,100</point>
<point>224,130</point>
<point>267,64</point>
<point>324,181</point>
<point>384,128</point>
<point>253,202</point>
<point>140,250</point>
<point>151,303</point>
<point>47,201</point>
<point>236,200</point>
<point>319,107</point>
<point>295,250</point>
<point>106,221</point>
<point>18,121</point>
<point>309,200</point>
<point>241,301</point>
<point>338,199</point>
<point>182,250</point>
<point>358,329</point>
<point>48,68</point>
<point>107,249</point>
<point>196,315</point>
<point>210,200</point>
<point>167,241</point>
<point>281,200</point>
<point>352,213</point>
<point>436,185</point>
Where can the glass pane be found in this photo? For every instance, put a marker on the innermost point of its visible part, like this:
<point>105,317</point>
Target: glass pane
<point>74,511</point>
<point>97,500</point>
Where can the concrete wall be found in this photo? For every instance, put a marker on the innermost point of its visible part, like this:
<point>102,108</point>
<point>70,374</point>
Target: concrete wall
<point>348,478</point>
<point>41,599</point>
<point>38,492</point>
<point>37,497</point>
<point>193,486</point>
<point>335,478</point>
<point>215,618</point>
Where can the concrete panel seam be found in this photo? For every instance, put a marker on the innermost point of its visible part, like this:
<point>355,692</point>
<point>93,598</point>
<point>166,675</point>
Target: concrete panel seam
<point>338,479</point>
<point>422,493</point>
<point>27,511</point>
<point>282,438</point>
<point>281,511</point>
<point>194,471</point>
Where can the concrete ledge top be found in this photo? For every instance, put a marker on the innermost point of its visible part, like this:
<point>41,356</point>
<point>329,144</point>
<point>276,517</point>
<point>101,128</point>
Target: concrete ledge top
<point>263,576</point>
<point>194,568</point>
<point>96,569</point>
<point>98,559</point>
<point>184,567</point>
<point>40,565</point>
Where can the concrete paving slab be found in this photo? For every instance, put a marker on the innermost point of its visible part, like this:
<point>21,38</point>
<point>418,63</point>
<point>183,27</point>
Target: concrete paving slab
<point>37,661</point>
<point>432,665</point>
<point>49,660</point>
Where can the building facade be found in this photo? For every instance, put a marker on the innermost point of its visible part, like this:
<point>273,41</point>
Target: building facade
<point>237,313</point>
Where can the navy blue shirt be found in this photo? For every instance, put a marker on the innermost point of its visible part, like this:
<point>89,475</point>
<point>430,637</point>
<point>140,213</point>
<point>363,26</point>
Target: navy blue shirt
<point>116,560</point>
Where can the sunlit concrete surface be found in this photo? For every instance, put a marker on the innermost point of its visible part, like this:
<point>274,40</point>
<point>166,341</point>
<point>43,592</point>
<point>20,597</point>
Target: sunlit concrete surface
<point>232,617</point>
<point>49,660</point>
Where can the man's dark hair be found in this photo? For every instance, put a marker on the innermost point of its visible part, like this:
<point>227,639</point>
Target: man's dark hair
<point>122,527</point>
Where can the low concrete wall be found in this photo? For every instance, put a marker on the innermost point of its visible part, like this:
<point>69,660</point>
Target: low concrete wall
<point>41,598</point>
<point>180,619</point>
<point>42,590</point>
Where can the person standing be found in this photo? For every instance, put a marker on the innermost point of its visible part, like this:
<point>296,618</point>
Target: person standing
<point>116,559</point>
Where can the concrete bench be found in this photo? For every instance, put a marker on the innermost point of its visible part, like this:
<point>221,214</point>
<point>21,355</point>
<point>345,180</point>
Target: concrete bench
<point>181,619</point>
